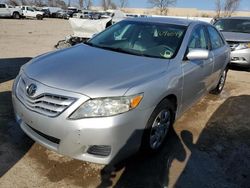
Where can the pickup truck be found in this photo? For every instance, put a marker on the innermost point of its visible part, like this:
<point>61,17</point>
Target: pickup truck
<point>10,11</point>
<point>30,12</point>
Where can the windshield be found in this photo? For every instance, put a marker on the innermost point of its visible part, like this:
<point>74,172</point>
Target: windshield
<point>141,38</point>
<point>233,25</point>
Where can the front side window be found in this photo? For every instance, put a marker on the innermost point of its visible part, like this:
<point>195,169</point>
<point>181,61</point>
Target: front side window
<point>198,39</point>
<point>215,38</point>
<point>233,25</point>
<point>141,38</point>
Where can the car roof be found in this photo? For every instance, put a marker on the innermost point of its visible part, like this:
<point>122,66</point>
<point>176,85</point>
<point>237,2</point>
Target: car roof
<point>166,20</point>
<point>235,17</point>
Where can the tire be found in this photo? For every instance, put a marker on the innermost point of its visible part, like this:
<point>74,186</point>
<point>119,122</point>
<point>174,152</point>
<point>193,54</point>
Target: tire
<point>39,17</point>
<point>16,15</point>
<point>221,83</point>
<point>157,131</point>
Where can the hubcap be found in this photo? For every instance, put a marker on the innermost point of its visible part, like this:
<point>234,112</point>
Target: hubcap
<point>222,80</point>
<point>159,129</point>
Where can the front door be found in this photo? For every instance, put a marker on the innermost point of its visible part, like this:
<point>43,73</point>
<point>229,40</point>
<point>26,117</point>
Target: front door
<point>196,73</point>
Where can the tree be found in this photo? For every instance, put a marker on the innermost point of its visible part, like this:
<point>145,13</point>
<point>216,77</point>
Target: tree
<point>38,3</point>
<point>80,3</point>
<point>230,7</point>
<point>218,8</point>
<point>163,5</point>
<point>13,2</point>
<point>106,4</point>
<point>88,3</point>
<point>123,3</point>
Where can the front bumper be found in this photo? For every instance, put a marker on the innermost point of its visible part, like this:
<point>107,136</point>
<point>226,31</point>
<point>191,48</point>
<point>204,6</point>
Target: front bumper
<point>241,57</point>
<point>121,133</point>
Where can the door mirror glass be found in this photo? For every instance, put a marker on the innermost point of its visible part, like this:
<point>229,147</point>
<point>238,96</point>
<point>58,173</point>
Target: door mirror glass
<point>198,54</point>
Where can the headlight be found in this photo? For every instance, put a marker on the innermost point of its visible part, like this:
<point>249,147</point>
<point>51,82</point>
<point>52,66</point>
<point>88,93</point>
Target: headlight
<point>103,107</point>
<point>242,46</point>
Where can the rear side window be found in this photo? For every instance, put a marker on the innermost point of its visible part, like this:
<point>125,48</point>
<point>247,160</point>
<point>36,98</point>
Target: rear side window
<point>215,38</point>
<point>2,5</point>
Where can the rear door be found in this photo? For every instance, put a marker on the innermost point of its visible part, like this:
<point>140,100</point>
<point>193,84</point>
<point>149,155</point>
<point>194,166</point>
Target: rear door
<point>196,73</point>
<point>220,53</point>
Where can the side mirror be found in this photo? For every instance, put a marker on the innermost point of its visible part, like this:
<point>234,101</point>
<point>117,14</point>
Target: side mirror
<point>198,54</point>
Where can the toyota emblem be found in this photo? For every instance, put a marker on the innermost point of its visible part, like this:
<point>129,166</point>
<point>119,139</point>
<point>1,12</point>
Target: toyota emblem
<point>31,89</point>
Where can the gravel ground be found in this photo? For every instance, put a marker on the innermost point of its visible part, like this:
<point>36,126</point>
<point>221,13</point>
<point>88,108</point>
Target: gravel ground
<point>209,146</point>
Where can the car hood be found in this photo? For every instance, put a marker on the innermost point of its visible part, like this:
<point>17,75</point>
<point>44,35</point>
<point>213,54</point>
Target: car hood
<point>236,37</point>
<point>93,71</point>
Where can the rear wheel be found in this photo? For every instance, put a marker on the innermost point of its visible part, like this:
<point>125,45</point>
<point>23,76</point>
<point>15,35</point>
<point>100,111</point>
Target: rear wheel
<point>158,126</point>
<point>220,84</point>
<point>16,15</point>
<point>39,17</point>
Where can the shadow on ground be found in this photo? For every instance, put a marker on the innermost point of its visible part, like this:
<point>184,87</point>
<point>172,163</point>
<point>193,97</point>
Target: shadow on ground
<point>239,68</point>
<point>9,67</point>
<point>13,142</point>
<point>221,156</point>
<point>146,170</point>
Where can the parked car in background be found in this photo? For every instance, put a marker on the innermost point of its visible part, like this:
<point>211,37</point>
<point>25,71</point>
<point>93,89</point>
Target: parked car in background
<point>46,12</point>
<point>30,12</point>
<point>122,90</point>
<point>50,10</point>
<point>236,31</point>
<point>64,14</point>
<point>10,11</point>
<point>72,10</point>
<point>82,14</point>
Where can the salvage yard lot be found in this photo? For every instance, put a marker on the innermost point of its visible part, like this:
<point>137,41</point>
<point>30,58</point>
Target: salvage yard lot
<point>209,146</point>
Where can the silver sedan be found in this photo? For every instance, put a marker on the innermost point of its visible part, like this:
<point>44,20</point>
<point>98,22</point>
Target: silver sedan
<point>122,90</point>
<point>236,31</point>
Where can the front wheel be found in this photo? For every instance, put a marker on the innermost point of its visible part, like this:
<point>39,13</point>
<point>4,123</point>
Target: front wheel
<point>158,126</point>
<point>220,84</point>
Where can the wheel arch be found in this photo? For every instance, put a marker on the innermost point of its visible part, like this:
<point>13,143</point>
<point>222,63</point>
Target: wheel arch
<point>173,99</point>
<point>16,12</point>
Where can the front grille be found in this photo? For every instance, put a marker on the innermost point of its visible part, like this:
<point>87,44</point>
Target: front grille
<point>100,150</point>
<point>46,104</point>
<point>50,138</point>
